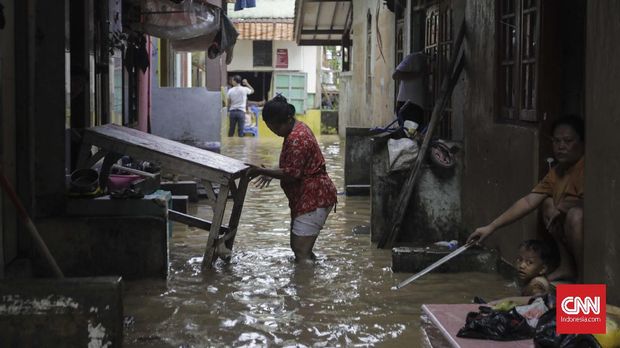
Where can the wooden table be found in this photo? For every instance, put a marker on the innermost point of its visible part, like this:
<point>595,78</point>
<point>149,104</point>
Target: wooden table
<point>113,141</point>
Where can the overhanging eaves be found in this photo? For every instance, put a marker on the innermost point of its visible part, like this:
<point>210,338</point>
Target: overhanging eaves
<point>322,22</point>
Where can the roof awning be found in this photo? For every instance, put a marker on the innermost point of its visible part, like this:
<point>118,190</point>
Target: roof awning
<point>264,29</point>
<point>322,22</point>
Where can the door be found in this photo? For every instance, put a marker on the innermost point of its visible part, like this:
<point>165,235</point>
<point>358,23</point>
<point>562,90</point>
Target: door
<point>293,87</point>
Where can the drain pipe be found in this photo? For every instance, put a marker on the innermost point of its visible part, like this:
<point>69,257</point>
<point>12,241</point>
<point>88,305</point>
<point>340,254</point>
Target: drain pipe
<point>4,182</point>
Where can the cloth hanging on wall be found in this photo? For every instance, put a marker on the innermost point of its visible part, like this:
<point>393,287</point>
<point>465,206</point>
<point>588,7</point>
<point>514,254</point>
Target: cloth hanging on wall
<point>241,4</point>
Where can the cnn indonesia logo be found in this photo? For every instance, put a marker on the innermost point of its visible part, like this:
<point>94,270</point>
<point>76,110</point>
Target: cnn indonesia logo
<point>580,308</point>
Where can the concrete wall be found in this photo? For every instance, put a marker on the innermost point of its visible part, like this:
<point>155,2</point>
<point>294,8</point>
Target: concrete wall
<point>356,108</point>
<point>133,247</point>
<point>189,115</point>
<point>84,312</point>
<point>434,211</point>
<point>500,160</point>
<point>8,239</point>
<point>602,222</point>
<point>300,58</point>
<point>50,109</point>
<point>312,118</point>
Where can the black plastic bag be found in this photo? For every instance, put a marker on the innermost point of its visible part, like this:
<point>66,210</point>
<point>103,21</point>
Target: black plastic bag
<point>496,325</point>
<point>546,336</point>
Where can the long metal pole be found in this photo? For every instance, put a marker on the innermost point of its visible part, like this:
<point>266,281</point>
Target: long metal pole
<point>437,263</point>
<point>4,182</point>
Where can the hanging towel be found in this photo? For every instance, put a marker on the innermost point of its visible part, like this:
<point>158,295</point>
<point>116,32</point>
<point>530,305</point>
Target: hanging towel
<point>241,4</point>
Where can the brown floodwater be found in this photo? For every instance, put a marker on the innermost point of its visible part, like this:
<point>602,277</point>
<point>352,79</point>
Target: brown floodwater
<point>262,298</point>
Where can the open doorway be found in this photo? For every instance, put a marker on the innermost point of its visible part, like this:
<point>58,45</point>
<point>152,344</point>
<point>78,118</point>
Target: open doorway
<point>260,81</point>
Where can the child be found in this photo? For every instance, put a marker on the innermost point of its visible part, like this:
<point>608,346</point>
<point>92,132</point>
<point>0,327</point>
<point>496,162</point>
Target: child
<point>535,260</point>
<point>533,263</point>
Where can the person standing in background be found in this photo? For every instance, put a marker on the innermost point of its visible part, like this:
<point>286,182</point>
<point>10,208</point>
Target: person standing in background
<point>237,103</point>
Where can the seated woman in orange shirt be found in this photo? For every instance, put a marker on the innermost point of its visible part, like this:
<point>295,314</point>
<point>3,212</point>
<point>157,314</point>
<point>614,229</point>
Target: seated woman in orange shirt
<point>560,194</point>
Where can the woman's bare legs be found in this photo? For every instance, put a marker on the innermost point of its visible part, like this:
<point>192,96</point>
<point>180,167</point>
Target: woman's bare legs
<point>302,247</point>
<point>573,233</point>
<point>566,268</point>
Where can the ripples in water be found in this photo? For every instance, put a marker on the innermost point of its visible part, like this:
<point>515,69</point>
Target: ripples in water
<point>262,298</point>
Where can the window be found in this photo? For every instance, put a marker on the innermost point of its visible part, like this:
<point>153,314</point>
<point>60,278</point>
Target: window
<point>438,48</point>
<point>518,52</point>
<point>293,87</point>
<point>368,54</point>
<point>262,53</point>
<point>346,51</point>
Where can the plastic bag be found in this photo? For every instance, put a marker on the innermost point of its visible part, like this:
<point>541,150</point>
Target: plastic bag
<point>186,20</point>
<point>545,335</point>
<point>496,325</point>
<point>533,311</point>
<point>402,153</point>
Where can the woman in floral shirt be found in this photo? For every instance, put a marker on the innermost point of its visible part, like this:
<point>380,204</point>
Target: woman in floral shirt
<point>310,191</point>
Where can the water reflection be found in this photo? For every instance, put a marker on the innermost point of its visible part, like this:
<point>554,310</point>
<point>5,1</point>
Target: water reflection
<point>262,298</point>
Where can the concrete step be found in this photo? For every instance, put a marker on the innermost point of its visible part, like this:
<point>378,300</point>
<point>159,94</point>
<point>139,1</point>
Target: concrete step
<point>69,312</point>
<point>179,188</point>
<point>415,259</point>
<point>180,203</point>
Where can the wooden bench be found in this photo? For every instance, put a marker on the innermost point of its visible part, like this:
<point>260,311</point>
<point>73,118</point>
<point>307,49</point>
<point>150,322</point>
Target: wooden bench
<point>113,141</point>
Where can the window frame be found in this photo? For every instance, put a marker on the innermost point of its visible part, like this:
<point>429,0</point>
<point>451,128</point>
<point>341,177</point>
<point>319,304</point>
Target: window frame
<point>368,55</point>
<point>267,53</point>
<point>520,83</point>
<point>438,41</point>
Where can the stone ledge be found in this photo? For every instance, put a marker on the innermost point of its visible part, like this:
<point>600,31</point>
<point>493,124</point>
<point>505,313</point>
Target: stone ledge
<point>415,259</point>
<point>69,312</point>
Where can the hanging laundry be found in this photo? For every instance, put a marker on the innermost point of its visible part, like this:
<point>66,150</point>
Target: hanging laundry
<point>241,4</point>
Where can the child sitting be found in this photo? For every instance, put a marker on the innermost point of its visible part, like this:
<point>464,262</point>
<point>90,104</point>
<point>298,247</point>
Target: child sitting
<point>533,263</point>
<point>535,259</point>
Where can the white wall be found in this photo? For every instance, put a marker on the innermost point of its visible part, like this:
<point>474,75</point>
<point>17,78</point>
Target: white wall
<point>356,107</point>
<point>300,58</point>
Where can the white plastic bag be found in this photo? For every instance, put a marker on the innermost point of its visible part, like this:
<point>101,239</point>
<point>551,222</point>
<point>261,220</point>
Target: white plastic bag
<point>402,153</point>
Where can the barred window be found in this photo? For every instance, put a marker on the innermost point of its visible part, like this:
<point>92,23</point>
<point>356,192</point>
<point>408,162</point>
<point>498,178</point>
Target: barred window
<point>518,38</point>
<point>438,49</point>
<point>368,54</point>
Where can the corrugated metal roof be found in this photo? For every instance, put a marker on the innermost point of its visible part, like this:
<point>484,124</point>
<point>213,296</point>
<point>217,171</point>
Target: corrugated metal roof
<point>265,29</point>
<point>322,22</point>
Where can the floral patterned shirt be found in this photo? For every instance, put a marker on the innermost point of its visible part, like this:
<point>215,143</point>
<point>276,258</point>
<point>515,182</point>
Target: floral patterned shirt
<point>301,158</point>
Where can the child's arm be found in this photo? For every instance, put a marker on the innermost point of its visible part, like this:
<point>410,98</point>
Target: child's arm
<point>536,287</point>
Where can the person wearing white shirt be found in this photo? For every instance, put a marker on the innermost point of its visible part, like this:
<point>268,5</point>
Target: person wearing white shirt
<point>237,100</point>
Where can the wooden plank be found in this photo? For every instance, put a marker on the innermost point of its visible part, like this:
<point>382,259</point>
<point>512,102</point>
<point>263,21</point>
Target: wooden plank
<point>218,217</point>
<point>210,192</point>
<point>193,221</point>
<point>170,154</point>
<point>455,67</point>
<point>235,215</point>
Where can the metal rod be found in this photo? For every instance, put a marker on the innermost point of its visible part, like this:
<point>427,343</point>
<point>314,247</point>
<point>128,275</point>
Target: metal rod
<point>433,266</point>
<point>4,182</point>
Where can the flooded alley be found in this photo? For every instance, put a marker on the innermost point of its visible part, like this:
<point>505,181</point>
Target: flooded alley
<point>264,299</point>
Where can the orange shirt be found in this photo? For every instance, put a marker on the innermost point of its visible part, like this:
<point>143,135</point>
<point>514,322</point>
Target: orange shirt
<point>566,189</point>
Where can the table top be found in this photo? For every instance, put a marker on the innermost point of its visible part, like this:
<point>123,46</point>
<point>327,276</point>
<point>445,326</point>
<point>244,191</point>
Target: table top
<point>170,153</point>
